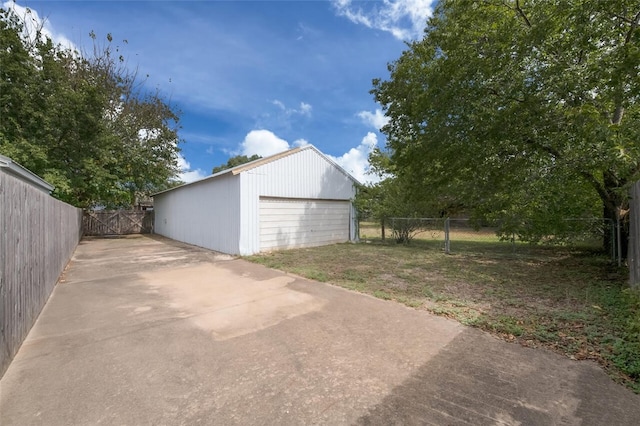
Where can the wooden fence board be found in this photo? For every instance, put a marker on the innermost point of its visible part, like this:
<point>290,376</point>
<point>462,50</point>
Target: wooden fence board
<point>38,235</point>
<point>120,222</point>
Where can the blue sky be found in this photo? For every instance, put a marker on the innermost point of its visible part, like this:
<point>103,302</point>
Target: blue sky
<point>255,77</point>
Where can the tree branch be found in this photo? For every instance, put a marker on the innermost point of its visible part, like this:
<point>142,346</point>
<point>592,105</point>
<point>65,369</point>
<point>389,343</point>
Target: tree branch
<point>522,14</point>
<point>619,110</point>
<point>495,92</point>
<point>634,25</point>
<point>589,177</point>
<point>617,114</point>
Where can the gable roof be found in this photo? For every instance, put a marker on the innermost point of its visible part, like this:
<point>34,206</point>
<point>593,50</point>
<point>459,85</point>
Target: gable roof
<point>266,160</point>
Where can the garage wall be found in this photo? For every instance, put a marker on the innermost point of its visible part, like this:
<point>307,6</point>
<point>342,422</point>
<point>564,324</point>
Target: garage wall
<point>292,222</point>
<point>305,174</point>
<point>205,214</point>
<point>222,212</point>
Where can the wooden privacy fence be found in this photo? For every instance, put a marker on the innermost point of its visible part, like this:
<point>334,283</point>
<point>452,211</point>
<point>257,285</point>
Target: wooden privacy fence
<point>634,236</point>
<point>120,222</point>
<point>38,235</point>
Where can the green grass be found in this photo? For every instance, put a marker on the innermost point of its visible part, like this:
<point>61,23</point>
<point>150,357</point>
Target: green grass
<point>571,301</point>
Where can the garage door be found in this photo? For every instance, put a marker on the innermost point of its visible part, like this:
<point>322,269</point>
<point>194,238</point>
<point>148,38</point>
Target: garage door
<point>289,223</point>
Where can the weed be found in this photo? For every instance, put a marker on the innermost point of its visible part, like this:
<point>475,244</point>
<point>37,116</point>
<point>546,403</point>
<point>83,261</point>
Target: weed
<point>380,294</point>
<point>353,275</point>
<point>428,293</point>
<point>313,274</point>
<point>411,302</point>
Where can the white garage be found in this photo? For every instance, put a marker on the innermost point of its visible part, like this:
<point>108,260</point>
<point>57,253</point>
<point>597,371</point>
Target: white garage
<point>299,198</point>
<point>286,223</point>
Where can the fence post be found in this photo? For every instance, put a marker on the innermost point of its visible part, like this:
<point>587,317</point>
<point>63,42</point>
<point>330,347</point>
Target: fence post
<point>612,239</point>
<point>393,227</point>
<point>447,241</point>
<point>618,237</point>
<point>634,236</point>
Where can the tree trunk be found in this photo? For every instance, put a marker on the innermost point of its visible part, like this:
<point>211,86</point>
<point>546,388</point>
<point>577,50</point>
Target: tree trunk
<point>613,202</point>
<point>610,238</point>
<point>382,228</point>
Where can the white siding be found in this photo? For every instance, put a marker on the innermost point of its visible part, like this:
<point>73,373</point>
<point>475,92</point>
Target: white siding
<point>288,223</point>
<point>305,174</point>
<point>223,212</point>
<point>206,214</point>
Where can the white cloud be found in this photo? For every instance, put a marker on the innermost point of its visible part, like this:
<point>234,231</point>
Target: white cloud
<point>304,109</point>
<point>356,160</point>
<point>405,19</point>
<point>263,143</point>
<point>301,142</point>
<point>376,119</point>
<point>186,174</point>
<point>33,23</point>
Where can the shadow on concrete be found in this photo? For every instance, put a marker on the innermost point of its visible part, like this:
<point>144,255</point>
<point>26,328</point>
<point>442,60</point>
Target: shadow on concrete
<point>479,380</point>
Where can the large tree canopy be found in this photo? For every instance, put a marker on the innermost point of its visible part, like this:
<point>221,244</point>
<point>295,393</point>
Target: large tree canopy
<point>82,122</point>
<point>520,109</point>
<point>235,161</point>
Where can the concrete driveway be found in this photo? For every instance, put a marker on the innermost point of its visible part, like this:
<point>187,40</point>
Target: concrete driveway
<point>148,331</point>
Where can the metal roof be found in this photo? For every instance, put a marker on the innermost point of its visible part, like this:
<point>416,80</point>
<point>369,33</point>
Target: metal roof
<point>262,161</point>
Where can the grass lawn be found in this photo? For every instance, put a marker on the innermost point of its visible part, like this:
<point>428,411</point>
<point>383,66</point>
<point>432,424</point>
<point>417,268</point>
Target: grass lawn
<point>569,300</point>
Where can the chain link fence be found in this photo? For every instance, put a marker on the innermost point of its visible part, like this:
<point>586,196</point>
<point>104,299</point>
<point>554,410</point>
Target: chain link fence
<point>465,235</point>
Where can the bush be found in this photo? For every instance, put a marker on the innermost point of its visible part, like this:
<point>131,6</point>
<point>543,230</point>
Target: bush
<point>626,354</point>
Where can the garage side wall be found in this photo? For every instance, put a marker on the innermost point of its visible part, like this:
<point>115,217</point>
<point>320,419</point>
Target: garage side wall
<point>303,175</point>
<point>204,214</point>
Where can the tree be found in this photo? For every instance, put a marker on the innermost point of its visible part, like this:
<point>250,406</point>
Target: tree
<point>82,122</point>
<point>520,108</point>
<point>383,201</point>
<point>235,161</point>
<point>389,198</point>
